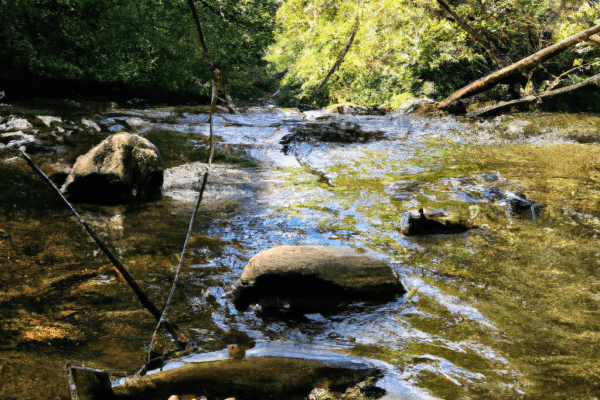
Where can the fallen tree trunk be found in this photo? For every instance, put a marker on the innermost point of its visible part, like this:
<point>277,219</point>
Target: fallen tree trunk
<point>487,111</point>
<point>342,54</point>
<point>525,64</point>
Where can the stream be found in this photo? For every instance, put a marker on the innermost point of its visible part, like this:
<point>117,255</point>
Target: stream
<point>508,309</point>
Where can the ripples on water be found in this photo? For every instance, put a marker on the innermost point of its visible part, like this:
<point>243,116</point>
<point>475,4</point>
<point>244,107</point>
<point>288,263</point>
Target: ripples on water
<point>448,337</point>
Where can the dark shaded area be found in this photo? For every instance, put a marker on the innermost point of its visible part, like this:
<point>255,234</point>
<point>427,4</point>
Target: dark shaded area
<point>91,384</point>
<point>23,86</point>
<point>332,132</point>
<point>106,189</point>
<point>299,293</point>
<point>418,224</point>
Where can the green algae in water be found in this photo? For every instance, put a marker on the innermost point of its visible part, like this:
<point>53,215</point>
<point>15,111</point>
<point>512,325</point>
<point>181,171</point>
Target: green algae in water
<point>177,148</point>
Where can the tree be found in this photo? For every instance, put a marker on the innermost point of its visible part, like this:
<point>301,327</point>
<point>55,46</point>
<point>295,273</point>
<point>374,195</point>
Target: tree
<point>144,43</point>
<point>416,47</point>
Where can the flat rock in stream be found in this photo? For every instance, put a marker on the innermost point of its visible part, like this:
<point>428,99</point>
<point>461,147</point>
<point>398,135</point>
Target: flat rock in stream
<point>331,132</point>
<point>122,168</point>
<point>358,110</point>
<point>314,278</point>
<point>249,378</point>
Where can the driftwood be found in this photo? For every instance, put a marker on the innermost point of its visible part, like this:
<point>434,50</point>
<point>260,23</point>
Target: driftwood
<point>487,111</point>
<point>478,38</point>
<point>524,65</point>
<point>342,53</point>
<point>178,337</point>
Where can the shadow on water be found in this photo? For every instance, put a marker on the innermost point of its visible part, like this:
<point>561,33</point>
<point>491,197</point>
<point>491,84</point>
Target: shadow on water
<point>506,310</point>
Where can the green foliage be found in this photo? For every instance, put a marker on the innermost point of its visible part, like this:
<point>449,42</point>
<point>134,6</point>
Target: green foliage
<point>409,48</point>
<point>143,43</point>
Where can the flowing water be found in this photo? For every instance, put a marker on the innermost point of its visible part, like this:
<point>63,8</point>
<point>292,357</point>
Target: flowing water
<point>508,309</point>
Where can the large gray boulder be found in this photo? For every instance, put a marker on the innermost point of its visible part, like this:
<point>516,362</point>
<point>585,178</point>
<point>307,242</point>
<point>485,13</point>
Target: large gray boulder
<point>122,168</point>
<point>313,278</point>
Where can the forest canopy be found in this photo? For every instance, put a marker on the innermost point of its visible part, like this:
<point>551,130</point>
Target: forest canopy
<point>402,48</point>
<point>415,47</point>
<point>143,43</point>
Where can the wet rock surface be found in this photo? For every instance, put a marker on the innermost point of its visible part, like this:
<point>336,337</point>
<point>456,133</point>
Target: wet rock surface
<point>14,123</point>
<point>358,110</point>
<point>492,188</point>
<point>123,167</point>
<point>251,378</point>
<point>313,278</point>
<point>329,132</point>
<point>417,223</point>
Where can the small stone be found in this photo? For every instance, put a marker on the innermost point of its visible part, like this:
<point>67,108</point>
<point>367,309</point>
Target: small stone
<point>117,128</point>
<point>236,352</point>
<point>91,124</point>
<point>15,124</point>
<point>135,123</point>
<point>48,120</point>
<point>19,136</point>
<point>416,223</point>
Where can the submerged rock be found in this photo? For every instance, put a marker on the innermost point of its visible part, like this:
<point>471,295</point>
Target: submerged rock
<point>123,167</point>
<point>403,190</point>
<point>313,278</point>
<point>416,223</point>
<point>256,377</point>
<point>329,132</point>
<point>491,188</point>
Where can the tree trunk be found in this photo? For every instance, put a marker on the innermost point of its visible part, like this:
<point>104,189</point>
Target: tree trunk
<point>487,111</point>
<point>484,43</point>
<point>525,64</point>
<point>342,54</point>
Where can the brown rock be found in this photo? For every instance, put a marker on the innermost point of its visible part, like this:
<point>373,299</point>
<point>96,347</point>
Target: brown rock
<point>236,352</point>
<point>261,378</point>
<point>122,168</point>
<point>314,278</point>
